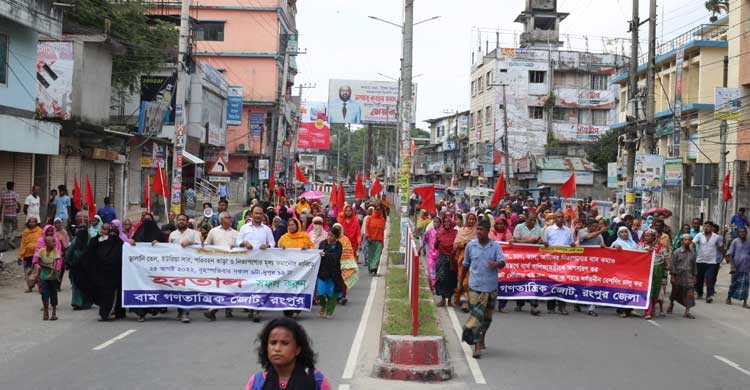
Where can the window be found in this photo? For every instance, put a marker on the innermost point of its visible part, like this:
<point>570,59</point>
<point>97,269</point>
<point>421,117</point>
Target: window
<point>536,112</point>
<point>584,117</point>
<point>544,23</point>
<point>488,76</point>
<point>473,88</point>
<point>479,118</point>
<point>209,31</point>
<point>599,117</point>
<point>559,114</point>
<point>599,82</point>
<point>536,76</point>
<point>480,86</point>
<point>471,120</point>
<point>488,115</point>
<point>3,59</point>
<point>440,131</point>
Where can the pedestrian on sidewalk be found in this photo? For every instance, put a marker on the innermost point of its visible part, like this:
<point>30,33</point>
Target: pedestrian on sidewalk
<point>738,256</point>
<point>446,269</point>
<point>48,260</point>
<point>74,260</point>
<point>683,272</point>
<point>464,236</point>
<point>483,257</point>
<point>10,205</point>
<point>375,233</point>
<point>287,359</point>
<point>708,249</point>
<point>29,239</point>
<point>295,237</point>
<point>528,232</point>
<point>329,273</point>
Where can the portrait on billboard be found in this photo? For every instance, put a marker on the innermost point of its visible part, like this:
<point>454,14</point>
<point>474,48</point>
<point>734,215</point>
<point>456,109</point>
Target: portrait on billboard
<point>344,109</point>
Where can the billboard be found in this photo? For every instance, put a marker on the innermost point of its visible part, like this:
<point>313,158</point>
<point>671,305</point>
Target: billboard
<point>234,106</point>
<point>314,130</point>
<point>363,102</point>
<point>728,104</point>
<point>157,103</point>
<point>54,71</point>
<point>649,172</point>
<point>673,172</point>
<point>612,175</point>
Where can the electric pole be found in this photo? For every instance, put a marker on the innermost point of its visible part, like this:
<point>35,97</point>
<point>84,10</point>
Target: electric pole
<point>181,116</point>
<point>723,155</point>
<point>649,138</point>
<point>406,99</point>
<point>631,140</point>
<point>506,141</point>
<point>281,106</point>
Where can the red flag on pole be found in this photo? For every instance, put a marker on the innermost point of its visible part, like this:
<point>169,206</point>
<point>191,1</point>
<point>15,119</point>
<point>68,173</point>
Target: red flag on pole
<point>499,191</point>
<point>569,187</point>
<point>147,195</point>
<point>90,203</point>
<point>427,193</point>
<point>77,195</point>
<point>298,174</point>
<point>359,189</point>
<point>341,200</point>
<point>271,184</point>
<point>160,185</point>
<point>334,198</point>
<point>376,188</point>
<point>727,191</point>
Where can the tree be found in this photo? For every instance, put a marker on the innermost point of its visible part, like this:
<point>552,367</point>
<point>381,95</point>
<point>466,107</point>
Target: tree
<point>149,42</point>
<point>604,150</point>
<point>420,133</point>
<point>717,7</point>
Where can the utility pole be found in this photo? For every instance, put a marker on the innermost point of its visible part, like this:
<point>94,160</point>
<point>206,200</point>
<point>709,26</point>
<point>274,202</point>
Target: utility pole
<point>181,116</point>
<point>723,156</point>
<point>368,151</point>
<point>406,99</point>
<point>506,141</point>
<point>280,108</point>
<point>649,139</point>
<point>631,140</point>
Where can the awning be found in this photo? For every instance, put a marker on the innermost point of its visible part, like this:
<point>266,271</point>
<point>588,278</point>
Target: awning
<point>191,158</point>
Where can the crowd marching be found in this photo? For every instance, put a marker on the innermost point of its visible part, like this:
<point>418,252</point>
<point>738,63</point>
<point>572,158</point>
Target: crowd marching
<point>462,239</point>
<point>89,247</point>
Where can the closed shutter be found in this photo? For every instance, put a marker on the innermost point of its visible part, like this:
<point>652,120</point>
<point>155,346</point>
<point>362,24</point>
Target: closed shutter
<point>63,169</point>
<point>98,173</point>
<point>16,167</point>
<point>135,181</point>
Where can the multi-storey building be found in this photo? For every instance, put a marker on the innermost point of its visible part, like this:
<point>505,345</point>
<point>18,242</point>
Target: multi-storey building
<point>445,161</point>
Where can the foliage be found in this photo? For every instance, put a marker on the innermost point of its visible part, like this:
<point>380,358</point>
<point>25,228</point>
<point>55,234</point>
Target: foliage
<point>352,156</point>
<point>420,133</point>
<point>717,7</point>
<point>604,151</point>
<point>148,43</point>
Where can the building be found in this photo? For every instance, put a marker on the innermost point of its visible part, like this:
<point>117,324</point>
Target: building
<point>446,162</point>
<point>556,101</point>
<point>24,138</point>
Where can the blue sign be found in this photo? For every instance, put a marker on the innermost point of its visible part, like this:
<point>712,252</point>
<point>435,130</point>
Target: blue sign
<point>234,106</point>
<point>256,123</point>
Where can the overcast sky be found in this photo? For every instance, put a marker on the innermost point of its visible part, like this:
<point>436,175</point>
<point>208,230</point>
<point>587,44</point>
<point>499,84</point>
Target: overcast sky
<point>343,43</point>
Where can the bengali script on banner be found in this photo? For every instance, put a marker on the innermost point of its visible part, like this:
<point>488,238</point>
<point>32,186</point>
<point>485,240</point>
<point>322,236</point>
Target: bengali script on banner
<point>168,275</point>
<point>585,275</point>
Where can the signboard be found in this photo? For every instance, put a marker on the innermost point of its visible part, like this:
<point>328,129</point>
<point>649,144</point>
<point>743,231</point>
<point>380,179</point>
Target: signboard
<point>581,275</point>
<point>673,172</point>
<point>218,179</point>
<point>168,275</point>
<point>573,132</point>
<point>649,172</point>
<point>692,147</point>
<point>219,167</point>
<point>360,101</point>
<point>263,169</point>
<point>727,104</point>
<point>152,155</point>
<point>549,176</point>
<point>179,146</point>
<point>234,106</point>
<point>257,119</point>
<point>612,175</point>
<point>314,130</point>
<point>676,133</point>
<point>55,79</point>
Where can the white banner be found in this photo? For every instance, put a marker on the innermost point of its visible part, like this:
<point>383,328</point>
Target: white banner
<point>167,275</point>
<point>361,102</point>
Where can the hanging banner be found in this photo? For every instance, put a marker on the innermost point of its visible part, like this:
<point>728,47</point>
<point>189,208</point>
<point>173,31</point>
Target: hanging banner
<point>676,134</point>
<point>314,129</point>
<point>583,275</point>
<point>612,175</point>
<point>257,119</point>
<point>263,169</point>
<point>55,79</point>
<point>234,106</point>
<point>673,172</point>
<point>649,172</point>
<point>168,275</point>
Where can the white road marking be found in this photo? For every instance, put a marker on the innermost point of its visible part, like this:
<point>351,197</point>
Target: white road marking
<point>114,340</point>
<point>652,322</point>
<point>732,364</point>
<point>476,371</point>
<point>343,387</point>
<point>351,361</point>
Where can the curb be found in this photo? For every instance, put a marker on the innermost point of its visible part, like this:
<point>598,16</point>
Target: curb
<point>409,358</point>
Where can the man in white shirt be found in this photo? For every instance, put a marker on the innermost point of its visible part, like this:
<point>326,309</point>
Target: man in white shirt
<point>185,237</point>
<point>708,249</point>
<point>32,204</point>
<point>255,235</point>
<point>222,235</point>
<point>558,235</point>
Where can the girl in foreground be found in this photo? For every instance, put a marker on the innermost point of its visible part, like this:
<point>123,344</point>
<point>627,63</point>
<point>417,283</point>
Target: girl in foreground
<point>287,359</point>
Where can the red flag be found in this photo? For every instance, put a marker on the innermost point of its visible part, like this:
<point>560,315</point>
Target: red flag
<point>727,191</point>
<point>376,188</point>
<point>299,175</point>
<point>359,189</point>
<point>147,196</point>
<point>271,184</point>
<point>499,191</point>
<point>77,195</point>
<point>334,198</point>
<point>569,187</point>
<point>160,184</point>
<point>427,193</point>
<point>341,200</point>
<point>90,203</point>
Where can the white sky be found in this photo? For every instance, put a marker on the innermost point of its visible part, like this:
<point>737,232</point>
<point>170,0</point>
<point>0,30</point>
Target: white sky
<point>343,43</point>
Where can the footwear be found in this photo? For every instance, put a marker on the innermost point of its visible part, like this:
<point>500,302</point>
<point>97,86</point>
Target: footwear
<point>329,316</point>
<point>622,315</point>
<point>53,317</point>
<point>343,301</point>
<point>255,316</point>
<point>228,313</point>
<point>141,319</point>
<point>518,308</point>
<point>593,313</point>
<point>729,301</point>
<point>563,312</point>
<point>477,352</point>
<point>185,319</point>
<point>441,303</point>
<point>709,299</point>
<point>689,315</point>
<point>45,316</point>
<point>647,317</point>
<point>210,315</point>
<point>670,309</point>
<point>465,308</point>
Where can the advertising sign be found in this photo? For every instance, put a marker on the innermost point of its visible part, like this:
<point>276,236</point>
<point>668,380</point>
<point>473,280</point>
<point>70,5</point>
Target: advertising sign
<point>360,102</point>
<point>168,275</point>
<point>728,104</point>
<point>550,176</point>
<point>676,134</point>
<point>649,172</point>
<point>152,155</point>
<point>234,106</point>
<point>263,169</point>
<point>257,119</point>
<point>55,79</point>
<point>692,146</point>
<point>673,172</point>
<point>582,275</point>
<point>314,130</point>
<point>612,175</point>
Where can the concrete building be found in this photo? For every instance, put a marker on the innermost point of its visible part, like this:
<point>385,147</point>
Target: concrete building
<point>557,101</point>
<point>447,162</point>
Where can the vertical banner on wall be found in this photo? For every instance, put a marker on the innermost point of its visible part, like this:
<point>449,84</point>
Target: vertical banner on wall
<point>673,172</point>
<point>612,175</point>
<point>649,172</point>
<point>676,134</point>
<point>234,106</point>
<point>55,79</point>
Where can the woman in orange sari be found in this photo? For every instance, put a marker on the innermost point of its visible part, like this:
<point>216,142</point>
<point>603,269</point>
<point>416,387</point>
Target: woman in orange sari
<point>349,271</point>
<point>467,233</point>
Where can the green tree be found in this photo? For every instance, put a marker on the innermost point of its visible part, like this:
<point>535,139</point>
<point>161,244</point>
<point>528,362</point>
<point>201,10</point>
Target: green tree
<point>717,7</point>
<point>148,42</point>
<point>604,150</point>
<point>420,133</point>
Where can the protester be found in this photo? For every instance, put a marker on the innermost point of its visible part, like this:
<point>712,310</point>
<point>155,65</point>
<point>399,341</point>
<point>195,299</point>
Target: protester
<point>349,270</point>
<point>62,206</point>
<point>375,233</point>
<point>683,273</point>
<point>650,244</point>
<point>49,261</point>
<point>677,242</point>
<point>738,256</point>
<point>465,234</point>
<point>32,204</point>
<point>528,232</point>
<point>224,236</point>
<point>287,359</point>
<point>74,259</point>
<point>708,248</point>
<point>558,235</point>
<point>428,244</point>
<point>662,260</point>
<point>29,239</point>
<point>62,236</point>
<point>295,237</point>
<point>254,235</point>
<point>329,273</point>
<point>591,235</point>
<point>317,231</point>
<point>351,227</point>
<point>738,221</point>
<point>446,269</point>
<point>483,257</point>
<point>184,236</point>
<point>147,232</point>
<point>107,212</point>
<point>223,206</point>
<point>95,226</point>
<point>10,206</point>
<point>624,241</point>
<point>302,208</point>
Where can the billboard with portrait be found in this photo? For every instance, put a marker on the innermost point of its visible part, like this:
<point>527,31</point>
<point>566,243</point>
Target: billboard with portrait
<point>649,172</point>
<point>363,102</point>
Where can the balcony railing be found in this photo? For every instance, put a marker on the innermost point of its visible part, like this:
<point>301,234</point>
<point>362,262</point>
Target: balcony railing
<point>703,32</point>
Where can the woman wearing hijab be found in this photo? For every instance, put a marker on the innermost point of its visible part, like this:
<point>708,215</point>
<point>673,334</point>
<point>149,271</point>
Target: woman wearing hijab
<point>64,238</point>
<point>297,238</point>
<point>316,231</point>
<point>119,225</point>
<point>148,231</point>
<point>96,225</point>
<point>29,239</point>
<point>105,261</point>
<point>624,241</point>
<point>350,226</point>
<point>465,234</point>
<point>279,228</point>
<point>48,260</point>
<point>74,259</point>
<point>349,270</point>
<point>375,232</point>
<point>501,232</point>
<point>446,268</point>
<point>428,242</point>
<point>650,244</point>
<point>127,228</point>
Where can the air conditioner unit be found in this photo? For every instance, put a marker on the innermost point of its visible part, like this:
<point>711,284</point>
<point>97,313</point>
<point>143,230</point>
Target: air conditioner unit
<point>242,147</point>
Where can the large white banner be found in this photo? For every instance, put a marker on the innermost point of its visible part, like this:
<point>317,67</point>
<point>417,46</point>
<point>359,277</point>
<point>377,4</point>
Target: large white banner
<point>55,76</point>
<point>168,275</point>
<point>360,102</point>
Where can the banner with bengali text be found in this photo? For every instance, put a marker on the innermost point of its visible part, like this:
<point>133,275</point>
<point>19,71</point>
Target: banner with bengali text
<point>584,275</point>
<point>167,275</point>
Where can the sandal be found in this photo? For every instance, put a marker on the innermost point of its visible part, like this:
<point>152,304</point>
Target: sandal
<point>689,315</point>
<point>441,304</point>
<point>670,309</point>
<point>622,315</point>
<point>593,313</point>
<point>465,309</point>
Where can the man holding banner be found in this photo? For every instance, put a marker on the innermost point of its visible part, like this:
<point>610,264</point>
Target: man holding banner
<point>558,235</point>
